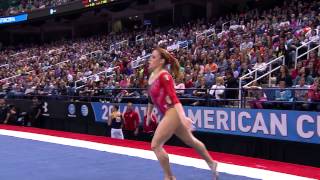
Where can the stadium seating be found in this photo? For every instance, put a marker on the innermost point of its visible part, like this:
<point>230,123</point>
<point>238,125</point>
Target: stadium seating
<point>240,44</point>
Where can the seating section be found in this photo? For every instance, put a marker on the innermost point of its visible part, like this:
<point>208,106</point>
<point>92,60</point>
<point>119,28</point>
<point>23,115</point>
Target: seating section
<point>213,55</point>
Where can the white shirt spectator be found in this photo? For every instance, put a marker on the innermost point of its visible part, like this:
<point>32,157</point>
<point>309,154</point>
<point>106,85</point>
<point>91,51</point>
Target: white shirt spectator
<point>260,66</point>
<point>70,77</point>
<point>220,35</point>
<point>246,45</point>
<point>301,94</point>
<point>235,74</point>
<point>88,73</point>
<point>235,27</point>
<point>284,24</point>
<point>181,87</point>
<point>173,47</point>
<point>96,78</point>
<point>217,90</point>
<point>314,38</point>
<point>143,53</point>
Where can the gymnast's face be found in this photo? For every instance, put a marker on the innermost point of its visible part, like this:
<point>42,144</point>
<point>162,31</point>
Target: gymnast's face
<point>155,60</point>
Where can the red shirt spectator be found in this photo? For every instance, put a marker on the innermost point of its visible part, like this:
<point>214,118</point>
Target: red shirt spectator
<point>131,119</point>
<point>121,67</point>
<point>145,71</point>
<point>314,91</point>
<point>294,73</point>
<point>152,125</point>
<point>188,83</point>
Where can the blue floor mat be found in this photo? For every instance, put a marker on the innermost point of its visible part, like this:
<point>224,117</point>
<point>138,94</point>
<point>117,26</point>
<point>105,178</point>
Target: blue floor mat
<point>22,159</point>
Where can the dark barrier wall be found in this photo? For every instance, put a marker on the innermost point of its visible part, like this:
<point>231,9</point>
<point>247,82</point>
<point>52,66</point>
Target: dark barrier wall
<point>61,115</point>
<point>80,117</point>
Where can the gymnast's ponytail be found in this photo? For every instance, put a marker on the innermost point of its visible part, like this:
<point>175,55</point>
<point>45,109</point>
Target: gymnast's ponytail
<point>170,60</point>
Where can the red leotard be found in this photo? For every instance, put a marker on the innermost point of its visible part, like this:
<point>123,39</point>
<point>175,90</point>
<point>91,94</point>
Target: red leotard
<point>163,93</point>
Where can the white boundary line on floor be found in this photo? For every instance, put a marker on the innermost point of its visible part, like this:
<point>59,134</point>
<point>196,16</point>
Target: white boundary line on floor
<point>146,154</point>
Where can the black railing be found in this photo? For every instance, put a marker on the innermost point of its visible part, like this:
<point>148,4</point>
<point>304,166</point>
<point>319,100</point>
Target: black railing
<point>251,97</point>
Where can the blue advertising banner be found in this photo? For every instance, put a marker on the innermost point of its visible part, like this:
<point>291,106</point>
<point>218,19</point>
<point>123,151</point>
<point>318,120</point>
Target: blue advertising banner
<point>300,126</point>
<point>13,19</point>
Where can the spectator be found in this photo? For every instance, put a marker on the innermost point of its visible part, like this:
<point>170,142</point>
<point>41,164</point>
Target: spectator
<point>301,94</point>
<point>231,84</point>
<point>234,69</point>
<point>284,76</point>
<point>260,66</point>
<point>314,59</point>
<point>292,45</point>
<point>124,83</point>
<point>180,88</point>
<point>188,81</point>
<point>280,50</point>
<point>211,66</point>
<point>311,69</point>
<point>222,63</point>
<point>200,92</point>
<point>217,90</point>
<point>317,73</point>
<point>109,87</point>
<point>314,95</point>
<point>313,37</point>
<point>305,75</point>
<point>86,92</point>
<point>129,70</point>
<point>283,94</point>
<point>246,45</point>
<point>99,90</point>
<point>244,70</point>
<point>259,97</point>
<point>295,72</point>
<point>209,77</point>
<point>131,122</point>
<point>201,88</point>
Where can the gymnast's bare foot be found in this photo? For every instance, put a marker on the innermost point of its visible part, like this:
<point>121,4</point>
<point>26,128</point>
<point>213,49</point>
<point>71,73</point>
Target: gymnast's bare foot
<point>170,178</point>
<point>213,168</point>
